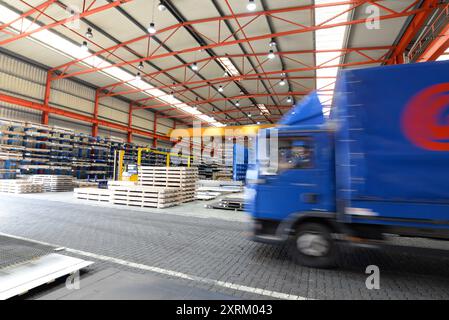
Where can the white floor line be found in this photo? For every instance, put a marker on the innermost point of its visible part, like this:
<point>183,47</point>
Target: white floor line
<point>229,285</point>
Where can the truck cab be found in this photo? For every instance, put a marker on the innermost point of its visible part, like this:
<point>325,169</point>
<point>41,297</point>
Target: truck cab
<point>294,181</point>
<point>377,167</point>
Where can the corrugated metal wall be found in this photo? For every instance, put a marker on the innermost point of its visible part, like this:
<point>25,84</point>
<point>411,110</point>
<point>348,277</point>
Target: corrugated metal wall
<point>27,81</point>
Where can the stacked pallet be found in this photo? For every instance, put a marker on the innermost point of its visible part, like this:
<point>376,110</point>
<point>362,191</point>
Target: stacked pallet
<point>145,197</point>
<point>54,183</point>
<point>93,194</point>
<point>183,178</point>
<point>20,186</point>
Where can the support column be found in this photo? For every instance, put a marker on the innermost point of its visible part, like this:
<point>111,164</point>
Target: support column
<point>47,97</point>
<point>155,130</point>
<point>96,105</point>
<point>130,123</point>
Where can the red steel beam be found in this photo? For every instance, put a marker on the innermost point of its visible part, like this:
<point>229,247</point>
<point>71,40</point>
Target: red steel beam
<point>214,19</point>
<point>84,14</point>
<point>96,107</point>
<point>130,123</point>
<point>155,129</point>
<point>235,110</point>
<point>76,116</point>
<point>438,45</point>
<point>352,64</point>
<point>229,43</point>
<point>415,26</point>
<point>47,97</point>
<point>240,97</point>
<point>297,52</point>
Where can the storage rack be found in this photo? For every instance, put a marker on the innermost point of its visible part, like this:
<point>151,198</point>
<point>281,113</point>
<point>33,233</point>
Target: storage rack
<point>28,148</point>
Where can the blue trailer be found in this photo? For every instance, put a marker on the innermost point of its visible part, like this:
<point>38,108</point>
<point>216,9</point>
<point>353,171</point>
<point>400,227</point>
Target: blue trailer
<point>379,165</point>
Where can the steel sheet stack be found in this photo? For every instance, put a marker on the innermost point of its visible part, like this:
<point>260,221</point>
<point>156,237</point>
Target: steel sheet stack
<point>54,183</point>
<point>171,177</point>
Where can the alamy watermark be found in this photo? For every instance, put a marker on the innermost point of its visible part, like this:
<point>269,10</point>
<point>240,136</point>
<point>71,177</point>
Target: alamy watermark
<point>73,281</point>
<point>372,282</point>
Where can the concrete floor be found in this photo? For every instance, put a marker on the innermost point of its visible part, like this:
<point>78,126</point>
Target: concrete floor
<point>205,251</point>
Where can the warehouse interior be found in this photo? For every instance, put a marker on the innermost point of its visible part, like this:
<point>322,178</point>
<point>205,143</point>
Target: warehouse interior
<point>128,132</point>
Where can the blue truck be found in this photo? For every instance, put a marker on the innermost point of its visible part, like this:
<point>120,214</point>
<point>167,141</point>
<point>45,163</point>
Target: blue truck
<point>379,165</point>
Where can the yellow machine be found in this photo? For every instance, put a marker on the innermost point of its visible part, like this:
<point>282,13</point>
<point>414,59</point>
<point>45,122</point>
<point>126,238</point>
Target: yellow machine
<point>129,171</point>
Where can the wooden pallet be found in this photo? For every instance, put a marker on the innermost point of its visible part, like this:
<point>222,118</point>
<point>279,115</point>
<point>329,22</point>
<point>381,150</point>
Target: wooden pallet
<point>141,196</point>
<point>93,194</point>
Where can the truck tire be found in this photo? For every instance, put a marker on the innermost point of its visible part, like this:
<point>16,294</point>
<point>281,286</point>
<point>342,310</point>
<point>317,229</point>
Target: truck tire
<point>313,246</point>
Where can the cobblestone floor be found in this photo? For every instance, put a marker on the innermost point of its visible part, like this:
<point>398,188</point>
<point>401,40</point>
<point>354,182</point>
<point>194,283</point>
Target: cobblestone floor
<point>217,253</point>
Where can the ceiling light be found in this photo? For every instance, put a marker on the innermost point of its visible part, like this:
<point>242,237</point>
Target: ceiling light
<point>282,82</point>
<point>271,55</point>
<point>138,76</point>
<point>194,66</point>
<point>84,46</point>
<point>89,34</point>
<point>258,122</point>
<point>140,66</point>
<point>237,104</point>
<point>152,28</point>
<point>249,115</point>
<point>172,95</point>
<point>272,43</point>
<point>161,7</point>
<point>251,6</point>
<point>289,99</point>
<point>220,89</point>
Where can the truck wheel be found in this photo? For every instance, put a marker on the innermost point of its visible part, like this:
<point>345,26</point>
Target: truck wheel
<point>313,246</point>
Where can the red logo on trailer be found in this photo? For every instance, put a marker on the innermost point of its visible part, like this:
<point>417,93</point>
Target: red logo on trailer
<point>425,121</point>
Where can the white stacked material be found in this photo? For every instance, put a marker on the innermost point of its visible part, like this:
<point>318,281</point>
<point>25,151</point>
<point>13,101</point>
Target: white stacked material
<point>150,197</point>
<point>219,186</point>
<point>121,183</point>
<point>206,195</point>
<point>20,186</point>
<point>54,183</point>
<point>93,194</point>
<point>171,177</point>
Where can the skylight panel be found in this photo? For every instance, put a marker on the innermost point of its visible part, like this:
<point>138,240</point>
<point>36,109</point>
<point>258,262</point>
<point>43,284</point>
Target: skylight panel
<point>230,68</point>
<point>325,39</point>
<point>263,109</point>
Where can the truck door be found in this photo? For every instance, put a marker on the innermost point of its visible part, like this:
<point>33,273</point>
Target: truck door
<point>301,180</point>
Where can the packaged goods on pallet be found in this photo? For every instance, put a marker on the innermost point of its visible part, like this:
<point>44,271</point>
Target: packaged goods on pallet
<point>175,177</point>
<point>54,183</point>
<point>93,194</point>
<point>145,197</point>
<point>121,183</point>
<point>20,186</point>
<point>84,184</point>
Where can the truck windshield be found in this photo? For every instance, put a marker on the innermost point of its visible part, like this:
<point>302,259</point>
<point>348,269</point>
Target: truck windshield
<point>293,153</point>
